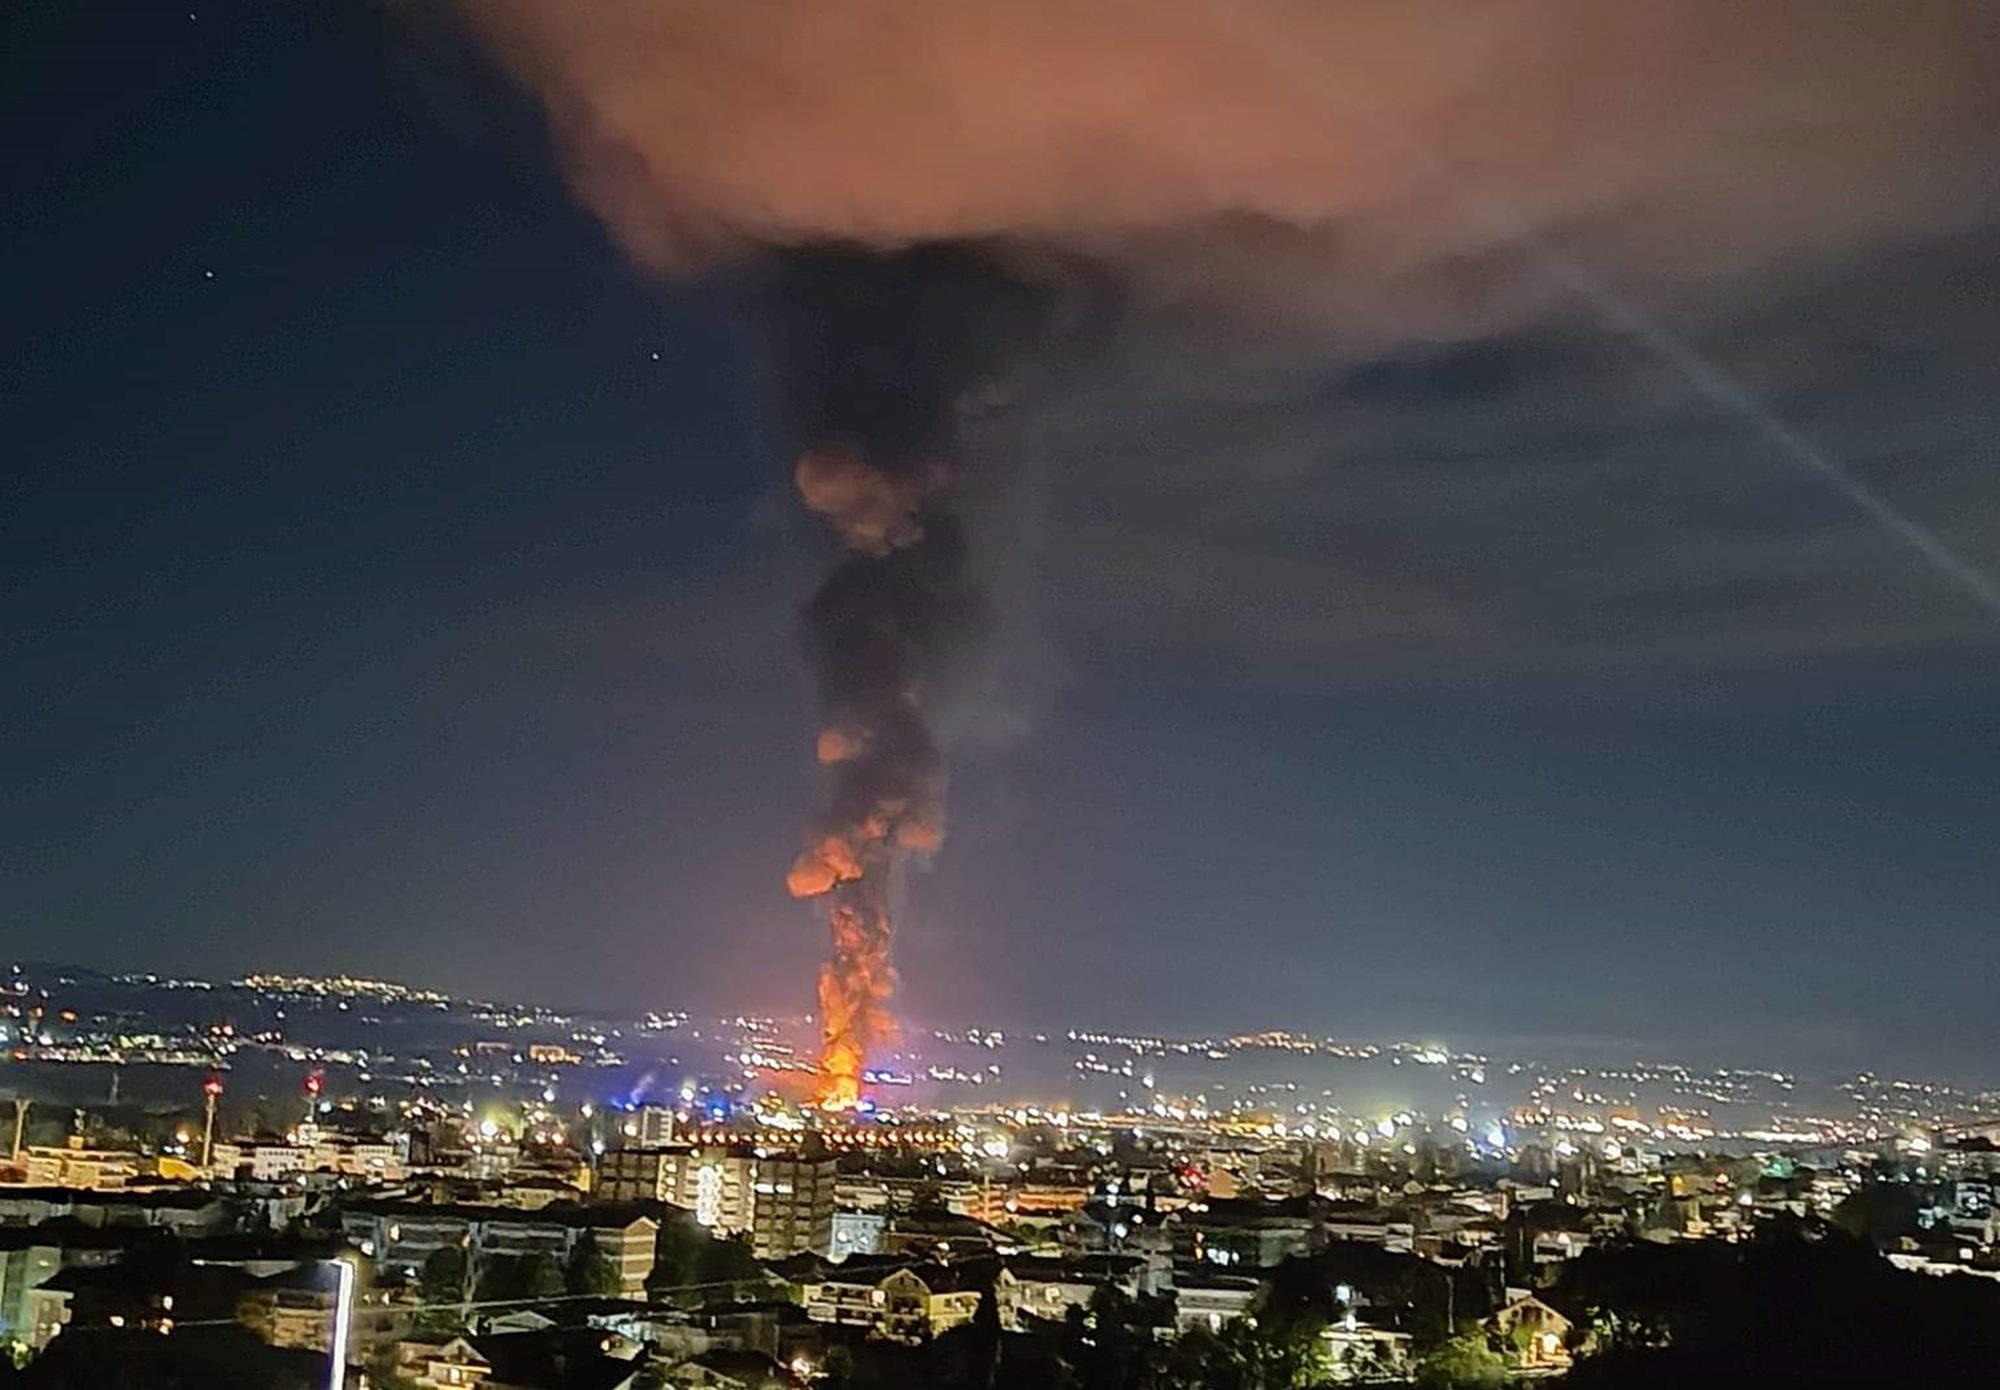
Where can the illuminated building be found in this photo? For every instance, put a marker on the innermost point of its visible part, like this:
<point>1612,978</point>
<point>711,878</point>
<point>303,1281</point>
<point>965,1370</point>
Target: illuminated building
<point>998,1202</point>
<point>310,1150</point>
<point>440,1361</point>
<point>902,1302</point>
<point>1537,1332</point>
<point>1209,1301</point>
<point>782,1200</point>
<point>1358,1352</point>
<point>928,1301</point>
<point>657,1126</point>
<point>26,1261</point>
<point>73,1165</point>
<point>628,1175</point>
<point>647,1127</point>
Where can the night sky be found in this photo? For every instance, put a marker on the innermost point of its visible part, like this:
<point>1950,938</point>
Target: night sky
<point>399,579</point>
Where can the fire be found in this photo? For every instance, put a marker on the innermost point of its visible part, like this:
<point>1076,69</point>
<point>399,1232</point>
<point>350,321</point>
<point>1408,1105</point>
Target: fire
<point>821,866</point>
<point>838,745</point>
<point>855,986</point>
<point>857,981</point>
<point>840,1075</point>
<point>875,511</point>
<point>920,835</point>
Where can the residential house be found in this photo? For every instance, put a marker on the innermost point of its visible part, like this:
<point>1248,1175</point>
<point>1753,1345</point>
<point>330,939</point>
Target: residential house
<point>1207,1298</point>
<point>1048,1288</point>
<point>444,1363</point>
<point>925,1301</point>
<point>1249,1232</point>
<point>1538,1334</point>
<point>1358,1352</point>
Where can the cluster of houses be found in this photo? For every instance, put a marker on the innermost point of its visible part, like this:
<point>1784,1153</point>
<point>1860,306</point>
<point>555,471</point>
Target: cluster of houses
<point>534,1277</point>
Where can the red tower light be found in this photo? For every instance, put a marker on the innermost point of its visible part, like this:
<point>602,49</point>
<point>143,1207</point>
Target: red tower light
<point>212,1086</point>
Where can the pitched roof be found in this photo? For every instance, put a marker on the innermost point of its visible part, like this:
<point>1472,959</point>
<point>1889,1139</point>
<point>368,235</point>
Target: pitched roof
<point>1080,1269</point>
<point>953,1278</point>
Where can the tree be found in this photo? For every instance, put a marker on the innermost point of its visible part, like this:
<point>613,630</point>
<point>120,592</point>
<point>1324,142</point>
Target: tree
<point>441,1284</point>
<point>1432,1299</point>
<point>1113,1346</point>
<point>1248,1354</point>
<point>1462,1363</point>
<point>1879,1213</point>
<point>497,1279</point>
<point>519,1278</point>
<point>442,1278</point>
<point>1812,1310</point>
<point>684,1253</point>
<point>590,1273</point>
<point>927,1196</point>
<point>540,1275</point>
<point>839,1364</point>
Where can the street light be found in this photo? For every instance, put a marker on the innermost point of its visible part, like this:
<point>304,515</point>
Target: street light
<point>343,1319</point>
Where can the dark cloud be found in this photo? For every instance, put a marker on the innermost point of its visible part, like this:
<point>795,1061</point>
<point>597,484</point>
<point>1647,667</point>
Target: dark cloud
<point>1551,503</point>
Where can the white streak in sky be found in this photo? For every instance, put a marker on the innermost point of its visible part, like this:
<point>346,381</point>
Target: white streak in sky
<point>1709,381</point>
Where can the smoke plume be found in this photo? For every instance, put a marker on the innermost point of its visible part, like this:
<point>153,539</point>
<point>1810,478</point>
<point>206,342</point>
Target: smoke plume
<point>880,356</point>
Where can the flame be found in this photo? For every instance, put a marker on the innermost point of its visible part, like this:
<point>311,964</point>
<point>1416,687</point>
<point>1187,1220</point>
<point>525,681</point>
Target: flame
<point>856,983</point>
<point>822,866</point>
<point>920,835</point>
<point>837,745</point>
<point>873,511</point>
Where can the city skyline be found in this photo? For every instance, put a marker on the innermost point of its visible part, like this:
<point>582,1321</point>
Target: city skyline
<point>401,580</point>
